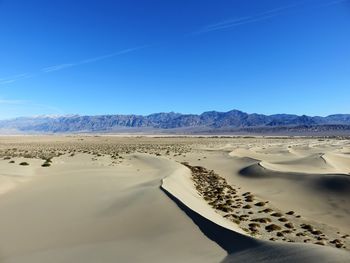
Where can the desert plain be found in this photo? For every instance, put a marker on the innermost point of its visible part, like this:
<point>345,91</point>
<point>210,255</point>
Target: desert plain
<point>99,198</point>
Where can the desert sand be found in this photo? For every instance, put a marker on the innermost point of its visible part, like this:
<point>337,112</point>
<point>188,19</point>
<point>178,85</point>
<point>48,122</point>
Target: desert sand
<point>99,198</point>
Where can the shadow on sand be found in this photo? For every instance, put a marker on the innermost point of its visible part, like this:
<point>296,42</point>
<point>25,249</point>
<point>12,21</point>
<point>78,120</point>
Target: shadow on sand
<point>245,249</point>
<point>228,240</point>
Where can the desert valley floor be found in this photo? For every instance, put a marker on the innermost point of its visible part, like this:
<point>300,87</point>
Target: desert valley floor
<point>174,199</point>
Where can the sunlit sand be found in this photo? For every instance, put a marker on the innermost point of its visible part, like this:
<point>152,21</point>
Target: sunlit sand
<point>174,199</point>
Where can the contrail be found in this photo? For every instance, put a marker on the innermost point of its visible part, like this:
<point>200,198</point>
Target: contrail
<point>227,24</point>
<point>91,60</point>
<point>245,20</point>
<point>11,79</point>
<point>231,23</point>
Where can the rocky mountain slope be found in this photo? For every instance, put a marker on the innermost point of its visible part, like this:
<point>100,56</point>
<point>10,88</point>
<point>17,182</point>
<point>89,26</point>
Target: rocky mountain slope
<point>210,121</point>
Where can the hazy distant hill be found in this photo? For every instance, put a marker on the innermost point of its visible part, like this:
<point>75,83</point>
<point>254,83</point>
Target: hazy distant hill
<point>207,122</point>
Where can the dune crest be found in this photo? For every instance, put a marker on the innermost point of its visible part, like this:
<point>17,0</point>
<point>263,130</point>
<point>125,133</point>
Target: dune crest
<point>239,246</point>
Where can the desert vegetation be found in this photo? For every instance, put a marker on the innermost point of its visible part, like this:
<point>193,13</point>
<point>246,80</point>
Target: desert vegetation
<point>244,209</point>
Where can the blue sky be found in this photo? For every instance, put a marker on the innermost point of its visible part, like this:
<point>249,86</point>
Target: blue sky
<point>189,56</point>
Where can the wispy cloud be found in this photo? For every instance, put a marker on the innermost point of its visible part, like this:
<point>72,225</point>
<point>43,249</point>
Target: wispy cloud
<point>231,23</point>
<point>49,69</point>
<point>90,60</point>
<point>222,25</point>
<point>56,67</point>
<point>11,79</point>
<point>121,52</point>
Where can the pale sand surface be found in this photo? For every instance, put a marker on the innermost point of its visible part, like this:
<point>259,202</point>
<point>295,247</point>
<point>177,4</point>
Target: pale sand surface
<point>305,188</point>
<point>79,212</point>
<point>117,199</point>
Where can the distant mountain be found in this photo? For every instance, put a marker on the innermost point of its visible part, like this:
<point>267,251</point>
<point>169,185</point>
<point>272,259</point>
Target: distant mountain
<point>210,121</point>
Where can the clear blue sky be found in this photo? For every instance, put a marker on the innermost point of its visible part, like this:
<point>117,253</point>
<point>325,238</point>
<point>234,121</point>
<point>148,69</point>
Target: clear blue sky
<point>189,56</point>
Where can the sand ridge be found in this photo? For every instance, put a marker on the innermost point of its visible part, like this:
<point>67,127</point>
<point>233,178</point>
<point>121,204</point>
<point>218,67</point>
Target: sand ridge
<point>102,198</point>
<point>240,246</point>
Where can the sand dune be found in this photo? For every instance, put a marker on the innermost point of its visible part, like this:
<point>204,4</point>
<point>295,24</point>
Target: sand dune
<point>100,214</point>
<point>108,199</point>
<point>239,246</point>
<point>313,182</point>
<point>315,163</point>
<point>310,194</point>
<point>320,197</point>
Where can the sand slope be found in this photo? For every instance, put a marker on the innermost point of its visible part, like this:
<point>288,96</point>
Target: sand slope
<point>322,197</point>
<point>145,208</point>
<point>81,212</point>
<point>239,246</point>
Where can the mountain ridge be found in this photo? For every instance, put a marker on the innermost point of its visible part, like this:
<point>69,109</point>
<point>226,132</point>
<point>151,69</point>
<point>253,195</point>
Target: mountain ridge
<point>168,121</point>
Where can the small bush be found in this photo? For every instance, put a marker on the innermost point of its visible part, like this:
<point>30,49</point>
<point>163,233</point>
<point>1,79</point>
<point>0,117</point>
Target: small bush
<point>262,220</point>
<point>24,163</point>
<point>317,232</point>
<point>236,221</point>
<point>46,164</point>
<point>254,225</point>
<point>249,198</point>
<point>260,204</point>
<point>267,210</point>
<point>279,234</point>
<point>307,227</point>
<point>277,214</point>
<point>320,243</point>
<point>272,227</point>
<point>289,225</point>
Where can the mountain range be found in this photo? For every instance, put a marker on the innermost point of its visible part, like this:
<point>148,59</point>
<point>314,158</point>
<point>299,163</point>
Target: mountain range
<point>233,121</point>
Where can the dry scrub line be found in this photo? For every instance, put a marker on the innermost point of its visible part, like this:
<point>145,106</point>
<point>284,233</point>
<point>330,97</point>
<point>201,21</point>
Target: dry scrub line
<point>115,152</point>
<point>255,217</point>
